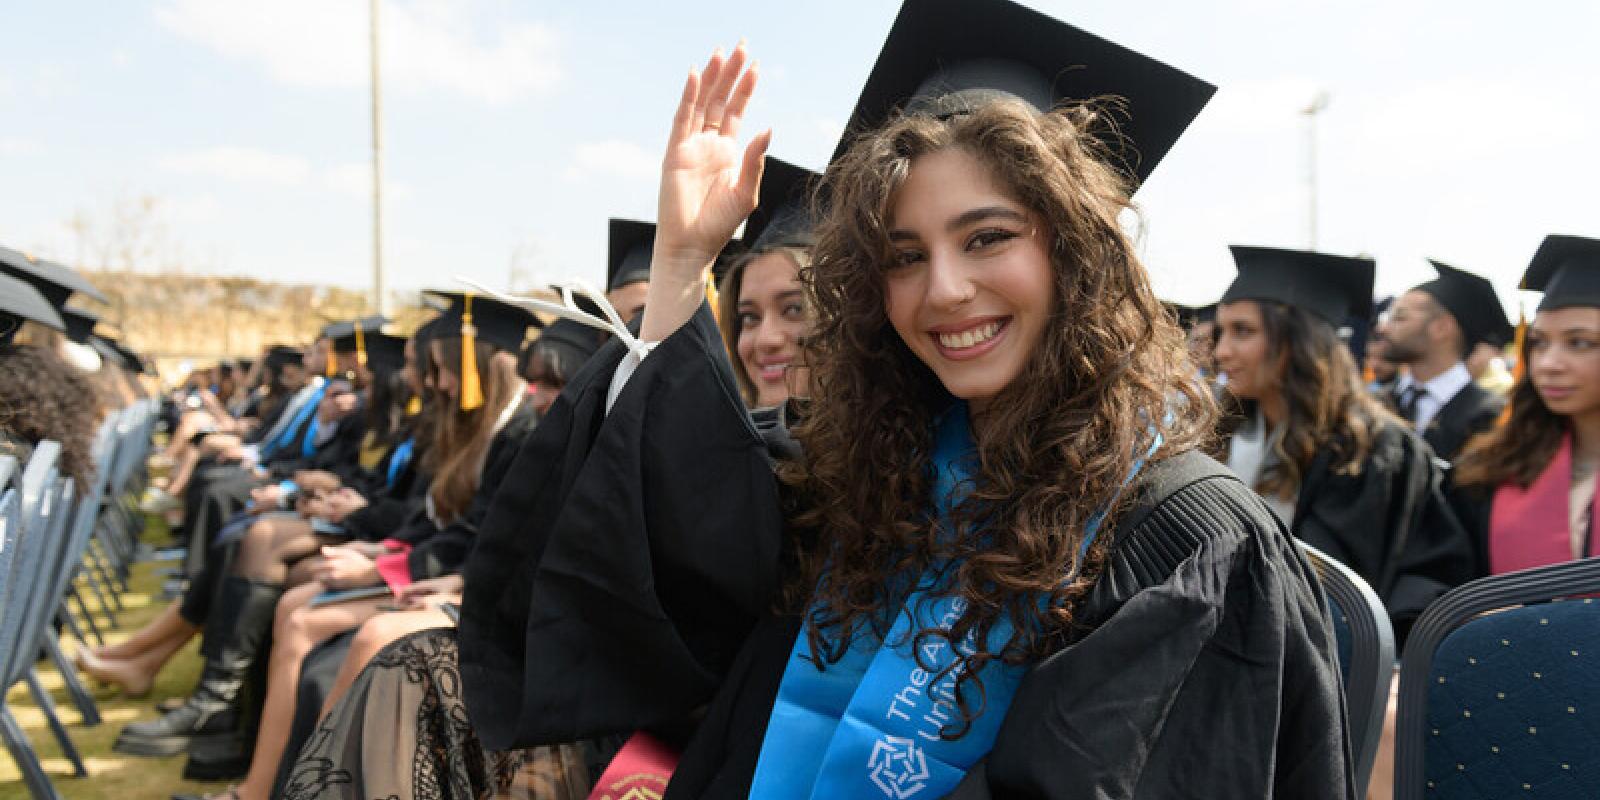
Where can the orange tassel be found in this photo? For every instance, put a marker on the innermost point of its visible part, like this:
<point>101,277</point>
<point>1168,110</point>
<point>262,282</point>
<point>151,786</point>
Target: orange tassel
<point>330,367</point>
<point>1521,366</point>
<point>361,346</point>
<point>712,295</point>
<point>471,386</point>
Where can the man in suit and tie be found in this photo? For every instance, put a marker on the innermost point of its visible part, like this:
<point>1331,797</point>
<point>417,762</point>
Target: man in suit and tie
<point>1431,329</point>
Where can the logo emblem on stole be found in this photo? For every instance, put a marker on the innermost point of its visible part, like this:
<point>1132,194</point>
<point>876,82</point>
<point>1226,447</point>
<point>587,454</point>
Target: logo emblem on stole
<point>899,768</point>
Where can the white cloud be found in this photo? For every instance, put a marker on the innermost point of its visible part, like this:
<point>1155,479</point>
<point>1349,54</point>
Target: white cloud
<point>17,146</point>
<point>427,45</point>
<point>614,157</point>
<point>242,164</point>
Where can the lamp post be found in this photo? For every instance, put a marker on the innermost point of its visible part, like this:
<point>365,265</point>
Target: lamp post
<point>379,299</point>
<point>1317,105</point>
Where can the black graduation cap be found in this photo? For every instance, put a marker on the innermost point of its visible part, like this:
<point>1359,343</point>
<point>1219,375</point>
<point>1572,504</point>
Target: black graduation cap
<point>783,211</point>
<point>385,352</point>
<point>281,355</point>
<point>945,57</point>
<point>1335,288</point>
<point>632,243</point>
<point>502,324</point>
<point>343,334</point>
<point>1190,316</point>
<point>55,282</point>
<point>1567,270</point>
<point>573,334</point>
<point>80,323</point>
<point>1471,299</point>
<point>20,302</point>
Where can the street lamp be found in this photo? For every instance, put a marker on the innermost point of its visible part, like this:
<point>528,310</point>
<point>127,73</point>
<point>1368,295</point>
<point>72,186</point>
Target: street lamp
<point>1317,105</point>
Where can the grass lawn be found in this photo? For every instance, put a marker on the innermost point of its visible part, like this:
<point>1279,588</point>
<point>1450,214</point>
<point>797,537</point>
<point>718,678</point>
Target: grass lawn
<point>112,776</point>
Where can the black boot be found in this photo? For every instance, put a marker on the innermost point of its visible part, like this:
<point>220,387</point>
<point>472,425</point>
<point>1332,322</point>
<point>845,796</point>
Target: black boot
<point>242,622</point>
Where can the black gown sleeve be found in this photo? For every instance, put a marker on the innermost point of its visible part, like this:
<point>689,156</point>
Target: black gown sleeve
<point>1390,523</point>
<point>626,555</point>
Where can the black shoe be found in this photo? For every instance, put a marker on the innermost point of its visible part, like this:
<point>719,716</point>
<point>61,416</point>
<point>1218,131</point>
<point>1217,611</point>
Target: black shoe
<point>202,717</point>
<point>221,758</point>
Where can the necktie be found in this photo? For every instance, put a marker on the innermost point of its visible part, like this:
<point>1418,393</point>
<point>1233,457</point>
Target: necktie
<point>1408,401</point>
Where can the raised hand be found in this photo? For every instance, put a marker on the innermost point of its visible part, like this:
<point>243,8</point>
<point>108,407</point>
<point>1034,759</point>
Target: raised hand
<point>709,184</point>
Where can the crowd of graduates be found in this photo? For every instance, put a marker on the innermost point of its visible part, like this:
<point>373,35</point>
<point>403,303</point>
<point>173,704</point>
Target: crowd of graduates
<point>915,486</point>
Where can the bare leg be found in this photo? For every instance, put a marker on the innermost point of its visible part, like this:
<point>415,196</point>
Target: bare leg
<point>271,545</point>
<point>167,625</point>
<point>180,476</point>
<point>1381,786</point>
<point>376,634</point>
<point>297,629</point>
<point>136,674</point>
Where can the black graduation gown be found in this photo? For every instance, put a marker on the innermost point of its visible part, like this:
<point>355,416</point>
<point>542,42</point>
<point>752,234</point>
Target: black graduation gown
<point>625,575</point>
<point>1472,411</point>
<point>1390,523</point>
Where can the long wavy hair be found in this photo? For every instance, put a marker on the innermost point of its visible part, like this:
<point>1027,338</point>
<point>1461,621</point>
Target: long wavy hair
<point>460,439</point>
<point>43,397</point>
<point>1518,450</point>
<point>1328,408</point>
<point>1112,369</point>
<point>728,307</point>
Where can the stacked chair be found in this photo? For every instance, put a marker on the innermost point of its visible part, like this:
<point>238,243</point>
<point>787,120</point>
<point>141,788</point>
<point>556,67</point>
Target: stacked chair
<point>1500,690</point>
<point>56,544</point>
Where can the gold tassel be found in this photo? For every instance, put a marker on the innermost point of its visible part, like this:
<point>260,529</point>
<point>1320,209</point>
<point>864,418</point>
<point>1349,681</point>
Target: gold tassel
<point>413,406</point>
<point>712,295</point>
<point>330,368</point>
<point>1521,367</point>
<point>471,387</point>
<point>361,345</point>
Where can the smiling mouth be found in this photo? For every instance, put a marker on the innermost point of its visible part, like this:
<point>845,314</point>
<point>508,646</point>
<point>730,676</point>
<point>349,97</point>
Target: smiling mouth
<point>971,337</point>
<point>773,372</point>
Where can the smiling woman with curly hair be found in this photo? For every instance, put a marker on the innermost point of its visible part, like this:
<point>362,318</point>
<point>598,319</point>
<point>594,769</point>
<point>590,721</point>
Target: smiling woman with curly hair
<point>986,559</point>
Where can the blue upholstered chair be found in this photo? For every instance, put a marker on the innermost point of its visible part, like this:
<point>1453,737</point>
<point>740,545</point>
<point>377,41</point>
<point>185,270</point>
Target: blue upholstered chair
<point>1365,643</point>
<point>1500,690</point>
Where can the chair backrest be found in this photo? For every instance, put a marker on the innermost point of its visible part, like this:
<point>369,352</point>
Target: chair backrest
<point>1365,641</point>
<point>40,490</point>
<point>78,522</point>
<point>10,524</point>
<point>1500,689</point>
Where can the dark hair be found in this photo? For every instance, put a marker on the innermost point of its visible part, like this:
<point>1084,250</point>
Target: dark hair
<point>1327,406</point>
<point>728,307</point>
<point>1520,449</point>
<point>43,397</point>
<point>1111,370</point>
<point>461,439</point>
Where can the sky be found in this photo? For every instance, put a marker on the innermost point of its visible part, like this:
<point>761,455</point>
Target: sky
<point>237,133</point>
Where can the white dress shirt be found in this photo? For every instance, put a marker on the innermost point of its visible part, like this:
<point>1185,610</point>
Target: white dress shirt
<point>1442,389</point>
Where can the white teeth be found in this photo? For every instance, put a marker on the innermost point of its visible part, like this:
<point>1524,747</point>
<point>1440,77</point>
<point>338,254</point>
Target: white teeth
<point>971,337</point>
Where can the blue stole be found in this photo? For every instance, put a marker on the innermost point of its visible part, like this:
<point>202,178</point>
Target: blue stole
<point>308,445</point>
<point>399,459</point>
<point>286,437</point>
<point>869,724</point>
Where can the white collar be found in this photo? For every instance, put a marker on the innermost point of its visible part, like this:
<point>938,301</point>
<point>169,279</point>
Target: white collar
<point>1444,386</point>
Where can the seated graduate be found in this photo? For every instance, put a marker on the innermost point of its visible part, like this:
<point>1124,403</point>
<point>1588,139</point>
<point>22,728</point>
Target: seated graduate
<point>365,746</point>
<point>274,543</point>
<point>1529,484</point>
<point>1343,472</point>
<point>482,419</point>
<point>1431,330</point>
<point>551,360</point>
<point>1003,568</point>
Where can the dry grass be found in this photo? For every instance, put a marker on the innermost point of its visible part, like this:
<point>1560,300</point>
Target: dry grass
<point>112,776</point>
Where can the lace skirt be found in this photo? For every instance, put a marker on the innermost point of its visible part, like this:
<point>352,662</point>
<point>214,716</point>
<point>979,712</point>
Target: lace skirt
<point>402,733</point>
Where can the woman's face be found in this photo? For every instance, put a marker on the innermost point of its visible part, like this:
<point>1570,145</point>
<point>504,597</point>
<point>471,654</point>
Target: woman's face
<point>445,380</point>
<point>772,318</point>
<point>1564,359</point>
<point>972,288</point>
<point>413,375</point>
<point>1242,350</point>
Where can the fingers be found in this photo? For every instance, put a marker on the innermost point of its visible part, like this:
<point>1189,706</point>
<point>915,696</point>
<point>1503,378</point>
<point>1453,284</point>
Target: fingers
<point>727,78</point>
<point>708,79</point>
<point>733,117</point>
<point>755,163</point>
<point>683,122</point>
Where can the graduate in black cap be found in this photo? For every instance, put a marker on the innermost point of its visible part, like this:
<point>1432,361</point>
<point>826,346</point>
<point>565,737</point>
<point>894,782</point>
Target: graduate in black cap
<point>628,266</point>
<point>1529,484</point>
<point>1340,470</point>
<point>553,359</point>
<point>1431,330</point>
<point>21,302</point>
<point>1199,324</point>
<point>762,310</point>
<point>983,326</point>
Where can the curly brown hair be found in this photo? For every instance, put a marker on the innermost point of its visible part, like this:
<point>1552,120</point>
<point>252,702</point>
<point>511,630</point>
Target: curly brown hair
<point>1111,370</point>
<point>1327,406</point>
<point>43,397</point>
<point>1519,449</point>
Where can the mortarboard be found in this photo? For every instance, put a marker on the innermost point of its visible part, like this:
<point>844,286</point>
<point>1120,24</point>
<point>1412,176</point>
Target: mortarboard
<point>1567,270</point>
<point>354,336</point>
<point>21,302</point>
<point>477,317</point>
<point>628,260</point>
<point>80,323</point>
<point>1190,316</point>
<point>55,282</point>
<point>1335,288</point>
<point>1472,301</point>
<point>575,335</point>
<point>279,356</point>
<point>783,210</point>
<point>946,57</point>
